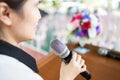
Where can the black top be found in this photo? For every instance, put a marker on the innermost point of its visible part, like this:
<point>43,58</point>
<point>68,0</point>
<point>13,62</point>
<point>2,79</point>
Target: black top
<point>13,51</point>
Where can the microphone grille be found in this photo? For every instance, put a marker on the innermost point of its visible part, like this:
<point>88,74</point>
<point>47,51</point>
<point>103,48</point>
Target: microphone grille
<point>102,51</point>
<point>57,46</point>
<point>60,49</point>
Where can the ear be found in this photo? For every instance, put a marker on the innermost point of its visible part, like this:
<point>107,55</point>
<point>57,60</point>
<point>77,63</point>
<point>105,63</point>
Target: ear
<point>5,14</point>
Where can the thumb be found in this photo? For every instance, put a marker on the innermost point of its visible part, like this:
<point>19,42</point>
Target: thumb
<point>63,63</point>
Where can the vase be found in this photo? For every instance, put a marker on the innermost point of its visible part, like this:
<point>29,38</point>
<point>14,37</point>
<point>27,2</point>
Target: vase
<point>82,41</point>
<point>81,48</point>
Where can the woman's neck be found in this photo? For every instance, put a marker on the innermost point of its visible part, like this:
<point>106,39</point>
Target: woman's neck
<point>11,41</point>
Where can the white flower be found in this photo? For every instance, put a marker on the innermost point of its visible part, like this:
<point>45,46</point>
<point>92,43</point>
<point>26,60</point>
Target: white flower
<point>92,33</point>
<point>94,21</point>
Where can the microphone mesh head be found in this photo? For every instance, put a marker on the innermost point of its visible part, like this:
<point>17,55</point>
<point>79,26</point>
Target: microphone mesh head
<point>59,48</point>
<point>102,51</point>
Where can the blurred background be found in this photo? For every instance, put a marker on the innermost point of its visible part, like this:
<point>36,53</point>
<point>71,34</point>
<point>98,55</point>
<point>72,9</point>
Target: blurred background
<point>55,22</point>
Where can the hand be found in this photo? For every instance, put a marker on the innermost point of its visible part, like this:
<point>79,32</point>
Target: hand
<point>71,70</point>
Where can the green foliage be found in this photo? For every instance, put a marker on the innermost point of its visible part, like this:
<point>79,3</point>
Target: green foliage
<point>55,3</point>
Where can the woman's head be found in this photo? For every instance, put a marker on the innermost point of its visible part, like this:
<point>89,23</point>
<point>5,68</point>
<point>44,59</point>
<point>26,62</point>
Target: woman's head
<point>14,4</point>
<point>18,19</point>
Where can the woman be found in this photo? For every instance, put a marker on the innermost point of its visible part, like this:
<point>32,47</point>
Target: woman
<point>18,20</point>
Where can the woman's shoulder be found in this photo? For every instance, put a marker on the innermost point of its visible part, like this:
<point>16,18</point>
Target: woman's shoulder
<point>12,69</point>
<point>6,59</point>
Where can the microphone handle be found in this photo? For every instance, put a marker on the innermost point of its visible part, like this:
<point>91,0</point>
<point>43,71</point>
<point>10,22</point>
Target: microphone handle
<point>113,55</point>
<point>85,74</point>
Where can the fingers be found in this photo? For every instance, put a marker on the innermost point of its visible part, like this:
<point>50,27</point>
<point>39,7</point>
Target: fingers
<point>83,68</point>
<point>63,64</point>
<point>74,56</point>
<point>82,63</point>
<point>78,59</point>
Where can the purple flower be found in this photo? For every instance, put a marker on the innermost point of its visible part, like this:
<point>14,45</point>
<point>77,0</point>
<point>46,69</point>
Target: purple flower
<point>77,33</point>
<point>82,33</point>
<point>86,16</point>
<point>98,30</point>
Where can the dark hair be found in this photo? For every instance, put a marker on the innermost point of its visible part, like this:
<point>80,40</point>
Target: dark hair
<point>14,4</point>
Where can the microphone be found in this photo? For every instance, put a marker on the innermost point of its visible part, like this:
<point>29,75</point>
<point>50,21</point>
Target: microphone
<point>108,53</point>
<point>63,52</point>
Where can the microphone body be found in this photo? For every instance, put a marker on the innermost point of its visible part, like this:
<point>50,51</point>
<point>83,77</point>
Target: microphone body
<point>62,51</point>
<point>108,53</point>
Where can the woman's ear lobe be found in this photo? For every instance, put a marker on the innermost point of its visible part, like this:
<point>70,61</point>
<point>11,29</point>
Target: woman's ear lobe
<point>5,14</point>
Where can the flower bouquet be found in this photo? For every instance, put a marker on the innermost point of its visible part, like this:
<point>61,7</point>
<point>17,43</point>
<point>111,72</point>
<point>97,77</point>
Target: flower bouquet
<point>85,26</point>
